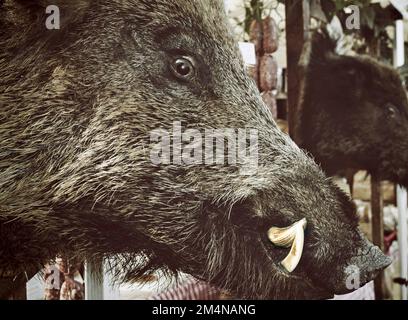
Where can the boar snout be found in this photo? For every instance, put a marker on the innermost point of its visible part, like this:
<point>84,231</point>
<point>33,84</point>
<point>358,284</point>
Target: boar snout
<point>363,268</point>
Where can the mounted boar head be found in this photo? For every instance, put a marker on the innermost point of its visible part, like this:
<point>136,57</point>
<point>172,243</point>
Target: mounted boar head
<point>79,106</point>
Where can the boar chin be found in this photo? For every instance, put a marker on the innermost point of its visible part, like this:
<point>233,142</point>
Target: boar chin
<point>394,172</point>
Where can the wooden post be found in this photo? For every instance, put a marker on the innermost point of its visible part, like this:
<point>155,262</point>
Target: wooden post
<point>94,280</point>
<point>399,59</point>
<point>377,227</point>
<point>297,32</point>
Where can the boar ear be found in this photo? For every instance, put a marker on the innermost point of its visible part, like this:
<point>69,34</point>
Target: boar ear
<point>326,43</point>
<point>318,50</point>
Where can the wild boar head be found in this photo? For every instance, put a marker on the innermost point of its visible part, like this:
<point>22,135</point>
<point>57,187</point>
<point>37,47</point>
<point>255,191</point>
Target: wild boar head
<point>354,113</point>
<point>79,105</point>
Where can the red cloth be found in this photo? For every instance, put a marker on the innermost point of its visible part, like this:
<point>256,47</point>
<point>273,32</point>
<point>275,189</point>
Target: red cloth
<point>191,290</point>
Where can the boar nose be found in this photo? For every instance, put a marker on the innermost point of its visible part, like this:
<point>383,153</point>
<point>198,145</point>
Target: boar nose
<point>363,268</point>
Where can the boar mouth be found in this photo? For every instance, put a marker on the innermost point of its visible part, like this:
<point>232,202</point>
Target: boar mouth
<point>282,244</point>
<point>312,289</point>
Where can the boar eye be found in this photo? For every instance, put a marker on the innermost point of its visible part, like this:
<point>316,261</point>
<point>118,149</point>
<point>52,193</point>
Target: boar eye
<point>183,68</point>
<point>392,110</point>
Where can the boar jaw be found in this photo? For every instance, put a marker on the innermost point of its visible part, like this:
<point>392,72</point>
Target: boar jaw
<point>293,237</point>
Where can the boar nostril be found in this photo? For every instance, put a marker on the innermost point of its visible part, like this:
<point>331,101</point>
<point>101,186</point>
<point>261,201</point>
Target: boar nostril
<point>371,263</point>
<point>380,261</point>
<point>293,237</point>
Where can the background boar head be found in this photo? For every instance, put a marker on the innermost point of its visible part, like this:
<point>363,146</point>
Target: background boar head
<point>80,104</point>
<point>354,113</point>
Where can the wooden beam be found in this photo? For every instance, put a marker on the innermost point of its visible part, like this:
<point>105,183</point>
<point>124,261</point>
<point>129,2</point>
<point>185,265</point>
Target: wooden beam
<point>297,33</point>
<point>377,227</point>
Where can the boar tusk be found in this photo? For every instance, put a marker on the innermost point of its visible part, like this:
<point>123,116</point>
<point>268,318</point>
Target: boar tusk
<point>283,237</point>
<point>293,237</point>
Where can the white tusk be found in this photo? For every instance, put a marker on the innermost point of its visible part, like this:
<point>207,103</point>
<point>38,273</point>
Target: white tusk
<point>293,237</point>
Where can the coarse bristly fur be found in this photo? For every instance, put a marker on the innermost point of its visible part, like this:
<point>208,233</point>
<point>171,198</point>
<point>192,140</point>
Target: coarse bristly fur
<point>77,106</point>
<point>353,112</point>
